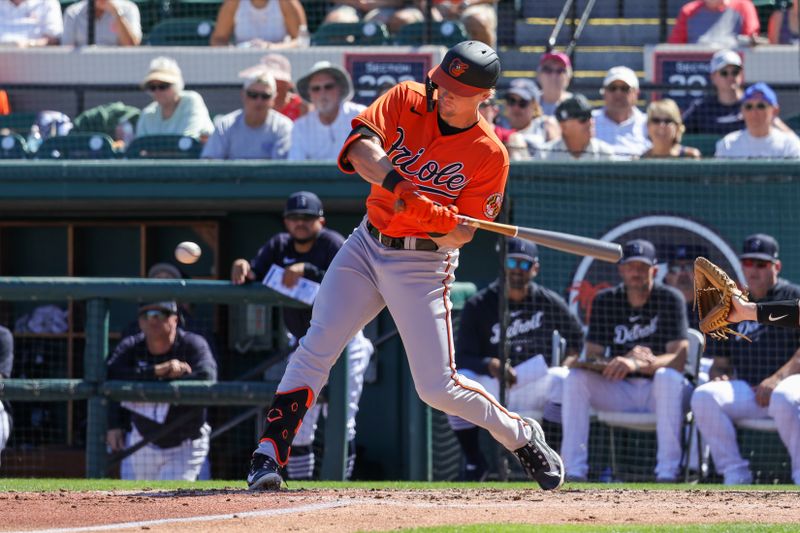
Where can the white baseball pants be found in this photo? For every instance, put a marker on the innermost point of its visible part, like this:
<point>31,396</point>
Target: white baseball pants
<point>717,404</point>
<point>181,462</point>
<point>5,429</point>
<point>365,277</point>
<point>667,394</point>
<point>536,385</point>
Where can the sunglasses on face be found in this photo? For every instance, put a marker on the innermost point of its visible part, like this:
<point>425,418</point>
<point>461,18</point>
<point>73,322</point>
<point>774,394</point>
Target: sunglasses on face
<point>519,264</point>
<point>153,87</point>
<point>325,87</point>
<point>758,105</point>
<point>155,313</point>
<point>255,95</point>
<point>517,102</point>
<point>755,263</point>
<point>730,72</point>
<point>301,218</point>
<point>677,269</point>
<point>618,89</point>
<point>552,70</point>
<point>660,120</point>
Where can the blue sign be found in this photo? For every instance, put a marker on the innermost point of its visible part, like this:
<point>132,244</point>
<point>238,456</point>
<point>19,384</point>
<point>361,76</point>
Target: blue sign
<point>374,74</point>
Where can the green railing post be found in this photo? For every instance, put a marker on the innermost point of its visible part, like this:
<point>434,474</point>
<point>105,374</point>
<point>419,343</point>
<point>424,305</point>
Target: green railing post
<point>94,364</point>
<point>334,464</point>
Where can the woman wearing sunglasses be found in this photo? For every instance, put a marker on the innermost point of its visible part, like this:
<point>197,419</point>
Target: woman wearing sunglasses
<point>174,111</point>
<point>665,129</point>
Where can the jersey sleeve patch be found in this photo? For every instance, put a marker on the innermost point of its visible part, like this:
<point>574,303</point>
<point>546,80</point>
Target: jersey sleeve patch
<point>492,205</point>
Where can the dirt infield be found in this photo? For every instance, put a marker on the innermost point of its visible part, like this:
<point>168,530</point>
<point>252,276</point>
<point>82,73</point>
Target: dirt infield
<point>358,509</point>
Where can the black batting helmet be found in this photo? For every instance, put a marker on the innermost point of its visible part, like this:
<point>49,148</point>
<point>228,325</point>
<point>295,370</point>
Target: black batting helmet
<point>468,68</point>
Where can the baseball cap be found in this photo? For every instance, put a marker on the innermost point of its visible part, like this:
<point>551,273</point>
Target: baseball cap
<point>522,248</point>
<point>165,70</point>
<point>561,57</point>
<point>623,74</point>
<point>263,77</point>
<point>639,250</point>
<point>575,107</point>
<point>525,89</point>
<point>164,270</point>
<point>685,252</point>
<point>168,306</point>
<point>468,68</point>
<point>723,58</point>
<point>762,89</point>
<point>303,203</point>
<point>760,246</point>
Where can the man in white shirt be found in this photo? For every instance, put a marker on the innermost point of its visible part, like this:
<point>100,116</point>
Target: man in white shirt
<point>577,140</point>
<point>26,23</point>
<point>760,138</point>
<point>320,134</point>
<point>256,131</point>
<point>619,123</point>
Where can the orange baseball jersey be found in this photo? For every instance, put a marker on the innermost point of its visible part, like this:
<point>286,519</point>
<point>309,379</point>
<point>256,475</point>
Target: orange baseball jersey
<point>468,169</point>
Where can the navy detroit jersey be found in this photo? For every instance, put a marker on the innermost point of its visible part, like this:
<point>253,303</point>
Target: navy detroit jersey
<point>530,328</point>
<point>619,327</point>
<point>280,251</point>
<point>771,348</point>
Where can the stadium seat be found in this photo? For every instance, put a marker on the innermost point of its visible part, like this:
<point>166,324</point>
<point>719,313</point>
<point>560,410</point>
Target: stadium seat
<point>77,146</point>
<point>12,146</point>
<point>205,9</point>
<point>447,33</point>
<point>164,147</point>
<point>351,33</point>
<point>181,32</point>
<point>647,421</point>
<point>18,122</point>
<point>705,142</point>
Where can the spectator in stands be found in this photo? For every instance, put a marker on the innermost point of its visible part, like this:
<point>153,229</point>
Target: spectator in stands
<point>490,111</point>
<point>755,379</point>
<point>286,99</point>
<point>554,76</point>
<point>320,134</point>
<point>116,119</point>
<point>256,131</point>
<point>29,23</point>
<point>639,329</point>
<point>305,251</point>
<point>680,274</point>
<point>378,11</point>
<point>177,435</point>
<point>577,140</point>
<point>665,130</point>
<point>620,123</point>
<point>784,26</point>
<point>6,364</point>
<point>536,312</point>
<point>719,113</point>
<point>478,16</point>
<point>174,111</point>
<point>760,138</point>
<point>259,23</point>
<point>716,22</point>
<point>524,116</point>
<point>116,23</point>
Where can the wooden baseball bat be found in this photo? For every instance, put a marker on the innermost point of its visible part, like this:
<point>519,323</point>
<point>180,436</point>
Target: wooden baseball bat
<point>565,242</point>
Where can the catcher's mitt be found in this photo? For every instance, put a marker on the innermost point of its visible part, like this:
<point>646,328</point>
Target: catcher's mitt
<point>713,292</point>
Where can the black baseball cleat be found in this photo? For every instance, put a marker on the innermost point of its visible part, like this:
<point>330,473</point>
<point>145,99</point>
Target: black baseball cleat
<point>540,461</point>
<point>264,473</point>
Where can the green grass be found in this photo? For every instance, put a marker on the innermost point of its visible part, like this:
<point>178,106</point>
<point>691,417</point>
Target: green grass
<point>44,485</point>
<point>549,528</point>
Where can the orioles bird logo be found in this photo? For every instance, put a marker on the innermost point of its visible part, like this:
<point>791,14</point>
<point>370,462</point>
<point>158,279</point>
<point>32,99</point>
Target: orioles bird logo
<point>492,205</point>
<point>457,67</point>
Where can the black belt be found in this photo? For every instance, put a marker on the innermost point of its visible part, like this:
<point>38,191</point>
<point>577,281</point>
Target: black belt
<point>399,243</point>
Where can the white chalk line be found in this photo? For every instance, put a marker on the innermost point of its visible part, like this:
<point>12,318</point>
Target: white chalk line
<point>207,518</point>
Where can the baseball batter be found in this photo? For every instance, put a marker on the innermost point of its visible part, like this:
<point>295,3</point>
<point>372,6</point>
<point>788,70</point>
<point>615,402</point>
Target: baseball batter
<point>428,154</point>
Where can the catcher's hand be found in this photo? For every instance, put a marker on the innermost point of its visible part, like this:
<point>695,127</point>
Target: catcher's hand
<point>713,294</point>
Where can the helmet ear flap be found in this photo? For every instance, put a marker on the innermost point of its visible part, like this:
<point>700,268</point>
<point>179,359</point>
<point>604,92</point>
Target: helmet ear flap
<point>430,87</point>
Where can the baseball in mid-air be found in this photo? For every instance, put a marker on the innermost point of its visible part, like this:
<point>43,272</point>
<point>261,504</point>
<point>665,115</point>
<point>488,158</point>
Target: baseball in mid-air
<point>187,252</point>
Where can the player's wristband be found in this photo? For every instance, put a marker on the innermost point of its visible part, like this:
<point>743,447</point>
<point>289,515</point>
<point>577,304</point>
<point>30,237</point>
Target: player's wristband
<point>391,180</point>
<point>785,313</point>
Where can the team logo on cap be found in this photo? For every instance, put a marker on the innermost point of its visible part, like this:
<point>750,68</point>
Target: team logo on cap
<point>492,205</point>
<point>457,67</point>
